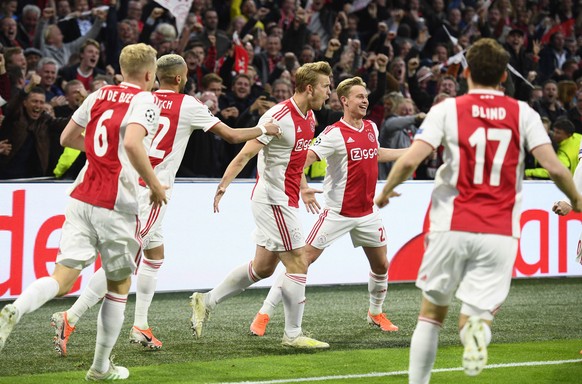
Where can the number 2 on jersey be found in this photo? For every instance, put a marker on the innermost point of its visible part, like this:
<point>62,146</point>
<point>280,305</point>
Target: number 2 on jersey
<point>163,128</point>
<point>480,139</point>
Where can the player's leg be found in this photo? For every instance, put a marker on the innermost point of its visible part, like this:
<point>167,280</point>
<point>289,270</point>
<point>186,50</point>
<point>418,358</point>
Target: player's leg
<point>240,278</point>
<point>378,287</point>
<point>77,249</point>
<point>442,267</point>
<point>424,342</point>
<point>147,278</point>
<point>293,294</point>
<point>64,322</point>
<point>274,297</point>
<point>109,323</point>
<point>483,290</point>
<point>120,246</point>
<point>34,296</point>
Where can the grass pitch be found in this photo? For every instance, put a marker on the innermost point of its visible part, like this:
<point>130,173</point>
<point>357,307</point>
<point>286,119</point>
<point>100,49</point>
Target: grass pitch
<point>537,337</point>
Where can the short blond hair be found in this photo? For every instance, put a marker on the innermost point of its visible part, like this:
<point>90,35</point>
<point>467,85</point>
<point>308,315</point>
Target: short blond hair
<point>308,74</point>
<point>136,59</point>
<point>169,66</point>
<point>344,88</point>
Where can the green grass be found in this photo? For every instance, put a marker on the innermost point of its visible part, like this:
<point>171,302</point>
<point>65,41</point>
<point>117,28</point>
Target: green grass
<point>540,321</point>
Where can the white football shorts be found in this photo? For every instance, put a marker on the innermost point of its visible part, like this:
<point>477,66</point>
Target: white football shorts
<point>89,230</point>
<point>151,220</point>
<point>277,227</point>
<point>365,231</point>
<point>478,266</point>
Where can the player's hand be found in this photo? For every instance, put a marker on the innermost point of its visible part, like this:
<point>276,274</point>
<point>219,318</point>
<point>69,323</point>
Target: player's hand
<point>158,195</point>
<point>308,197</point>
<point>273,129</point>
<point>562,208</point>
<point>384,198</point>
<point>220,191</point>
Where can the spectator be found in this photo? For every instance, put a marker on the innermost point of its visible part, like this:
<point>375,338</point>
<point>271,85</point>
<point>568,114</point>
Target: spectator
<point>447,84</point>
<point>9,29</point>
<point>32,57</point>
<point>282,90</point>
<point>47,69</point>
<point>33,135</point>
<point>63,9</point>
<point>75,93</point>
<point>568,143</point>
<point>15,58</point>
<point>523,62</point>
<point>549,106</point>
<point>398,131</point>
<point>50,37</point>
<point>87,69</point>
<point>221,41</point>
<point>28,25</point>
<point>78,24</point>
<point>553,56</point>
<point>575,113</point>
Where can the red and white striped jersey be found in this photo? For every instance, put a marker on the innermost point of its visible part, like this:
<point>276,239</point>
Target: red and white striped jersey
<point>485,135</point>
<point>180,116</point>
<point>108,179</point>
<point>281,161</point>
<point>352,167</point>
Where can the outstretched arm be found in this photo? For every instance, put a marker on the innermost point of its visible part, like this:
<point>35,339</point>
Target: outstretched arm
<point>249,151</point>
<point>403,169</point>
<point>240,135</point>
<point>389,154</point>
<point>546,155</point>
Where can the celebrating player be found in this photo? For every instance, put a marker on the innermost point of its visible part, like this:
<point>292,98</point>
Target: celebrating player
<point>275,201</point>
<point>180,116</point>
<point>110,126</point>
<point>352,151</point>
<point>474,217</point>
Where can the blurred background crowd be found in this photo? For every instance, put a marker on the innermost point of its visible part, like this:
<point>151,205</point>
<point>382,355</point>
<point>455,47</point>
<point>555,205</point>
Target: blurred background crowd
<point>242,56</point>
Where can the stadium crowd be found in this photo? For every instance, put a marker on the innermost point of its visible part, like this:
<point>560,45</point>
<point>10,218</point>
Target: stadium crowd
<point>242,56</point>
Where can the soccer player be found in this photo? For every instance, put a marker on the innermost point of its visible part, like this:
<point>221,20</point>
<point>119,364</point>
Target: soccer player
<point>474,217</point>
<point>180,116</point>
<point>275,201</point>
<point>110,126</point>
<point>352,152</point>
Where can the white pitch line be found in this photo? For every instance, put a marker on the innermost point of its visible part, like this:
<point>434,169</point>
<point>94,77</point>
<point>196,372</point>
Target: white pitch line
<point>398,373</point>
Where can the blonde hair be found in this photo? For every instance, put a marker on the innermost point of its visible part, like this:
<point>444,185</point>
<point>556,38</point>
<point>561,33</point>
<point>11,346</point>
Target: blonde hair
<point>169,67</point>
<point>136,59</point>
<point>343,89</point>
<point>308,74</point>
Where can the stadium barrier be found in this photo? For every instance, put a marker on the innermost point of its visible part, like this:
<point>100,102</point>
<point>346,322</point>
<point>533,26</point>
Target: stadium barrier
<point>201,246</point>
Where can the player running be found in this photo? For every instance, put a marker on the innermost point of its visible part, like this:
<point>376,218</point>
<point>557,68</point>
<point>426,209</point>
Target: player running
<point>352,152</point>
<point>180,116</point>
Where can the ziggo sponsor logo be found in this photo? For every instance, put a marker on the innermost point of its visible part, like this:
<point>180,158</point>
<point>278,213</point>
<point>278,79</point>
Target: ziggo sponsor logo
<point>359,153</point>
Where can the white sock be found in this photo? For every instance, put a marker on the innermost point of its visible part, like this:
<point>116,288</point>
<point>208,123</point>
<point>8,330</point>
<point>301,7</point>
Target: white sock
<point>235,282</point>
<point>109,323</point>
<point>293,292</point>
<point>36,295</point>
<point>378,288</point>
<point>487,333</point>
<point>274,297</point>
<point>147,279</point>
<point>93,292</point>
<point>423,349</point>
